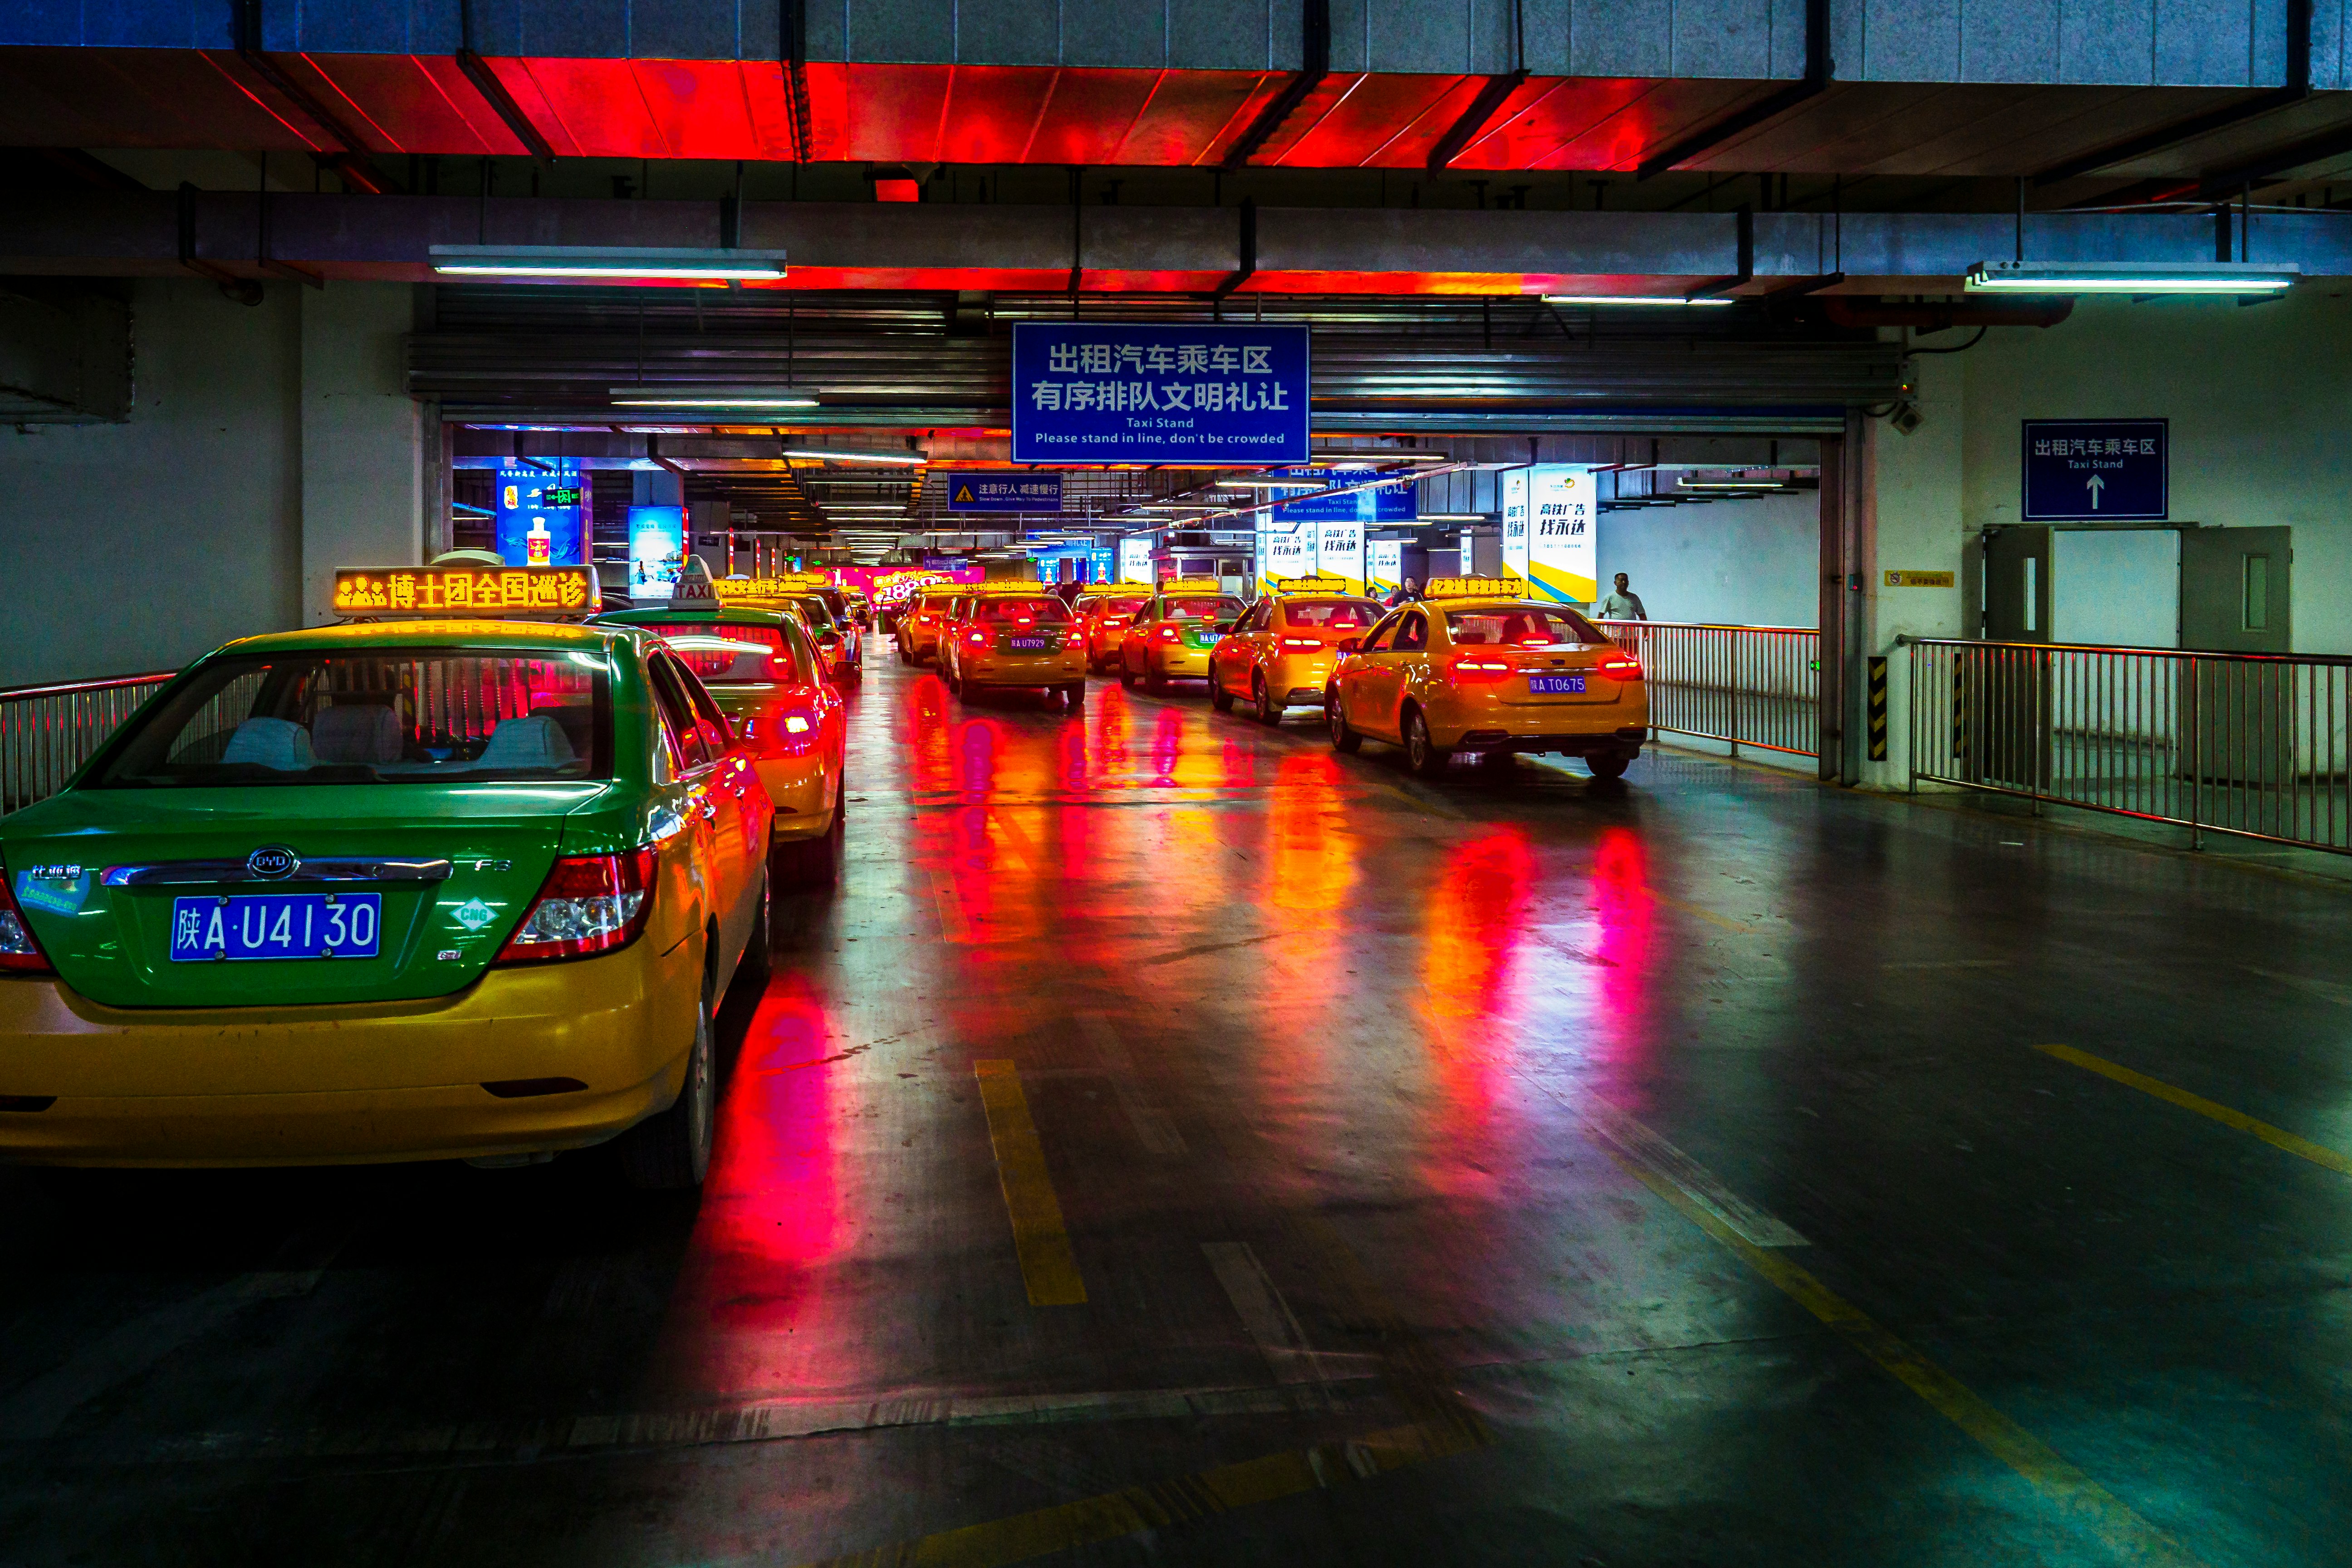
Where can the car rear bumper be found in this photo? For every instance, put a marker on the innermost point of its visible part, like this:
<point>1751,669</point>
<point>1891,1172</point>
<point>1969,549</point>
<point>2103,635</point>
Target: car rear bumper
<point>1627,738</point>
<point>1298,678</point>
<point>1023,668</point>
<point>798,786</point>
<point>1176,663</point>
<point>351,1084</point>
<point>1465,720</point>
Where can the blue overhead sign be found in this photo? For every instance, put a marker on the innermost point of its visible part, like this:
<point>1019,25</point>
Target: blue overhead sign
<point>1102,394</point>
<point>2098,470</point>
<point>1396,503</point>
<point>1004,492</point>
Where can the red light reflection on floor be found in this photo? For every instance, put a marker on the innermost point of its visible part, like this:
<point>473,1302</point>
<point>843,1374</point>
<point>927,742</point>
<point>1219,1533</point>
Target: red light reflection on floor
<point>1476,926</point>
<point>772,1211</point>
<point>1625,919</point>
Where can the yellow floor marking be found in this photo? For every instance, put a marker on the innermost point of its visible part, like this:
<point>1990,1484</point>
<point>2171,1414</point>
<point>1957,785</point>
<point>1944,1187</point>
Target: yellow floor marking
<point>1048,1263</point>
<point>1024,848</point>
<point>1133,1510</point>
<point>2077,1496</point>
<point>1709,916</point>
<point>2277,1137</point>
<point>953,925</point>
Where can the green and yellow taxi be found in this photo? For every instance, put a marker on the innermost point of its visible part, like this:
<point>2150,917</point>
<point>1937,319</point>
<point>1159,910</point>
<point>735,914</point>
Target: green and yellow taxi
<point>924,618</point>
<point>1481,667</point>
<point>1280,655</point>
<point>1171,636</point>
<point>1013,635</point>
<point>425,890</point>
<point>768,676</point>
<point>1103,614</point>
<point>822,609</point>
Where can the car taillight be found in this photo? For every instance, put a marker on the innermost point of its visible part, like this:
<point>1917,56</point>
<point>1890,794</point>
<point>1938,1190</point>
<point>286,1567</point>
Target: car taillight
<point>1480,668</point>
<point>1171,634</point>
<point>590,903</point>
<point>976,637</point>
<point>1308,644</point>
<point>1618,667</point>
<point>19,953</point>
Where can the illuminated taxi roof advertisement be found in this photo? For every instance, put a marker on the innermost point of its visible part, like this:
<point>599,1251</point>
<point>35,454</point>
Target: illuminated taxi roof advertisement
<point>466,590</point>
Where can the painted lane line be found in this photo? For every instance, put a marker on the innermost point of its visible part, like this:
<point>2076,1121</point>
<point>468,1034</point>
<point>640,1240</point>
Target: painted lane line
<point>2277,1137</point>
<point>1268,1319</point>
<point>2076,1495</point>
<point>1048,1267</point>
<point>1646,1149</point>
<point>950,904</point>
<point>1152,1129</point>
<point>1204,1494</point>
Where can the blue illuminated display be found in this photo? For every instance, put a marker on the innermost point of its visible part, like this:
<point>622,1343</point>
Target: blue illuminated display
<point>1106,393</point>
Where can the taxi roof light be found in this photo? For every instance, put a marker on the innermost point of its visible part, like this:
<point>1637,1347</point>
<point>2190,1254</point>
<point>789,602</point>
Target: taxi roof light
<point>1176,585</point>
<point>1311,585</point>
<point>1505,587</point>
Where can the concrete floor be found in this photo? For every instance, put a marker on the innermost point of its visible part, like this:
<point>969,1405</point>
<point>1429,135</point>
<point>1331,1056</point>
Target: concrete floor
<point>1519,1171</point>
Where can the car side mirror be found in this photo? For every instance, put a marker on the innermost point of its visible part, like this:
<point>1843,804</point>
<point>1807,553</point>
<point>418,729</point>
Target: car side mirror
<point>1349,644</point>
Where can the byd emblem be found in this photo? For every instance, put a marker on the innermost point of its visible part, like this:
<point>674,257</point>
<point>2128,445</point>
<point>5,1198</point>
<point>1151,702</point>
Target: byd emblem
<point>272,862</point>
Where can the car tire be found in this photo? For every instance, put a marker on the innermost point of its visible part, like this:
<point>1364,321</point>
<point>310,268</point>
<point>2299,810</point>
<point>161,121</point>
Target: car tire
<point>758,960</point>
<point>1268,713</point>
<point>1420,754</point>
<point>1608,765</point>
<point>670,1152</point>
<point>1219,698</point>
<point>1074,693</point>
<point>1155,683</point>
<point>1343,739</point>
<point>1125,676</point>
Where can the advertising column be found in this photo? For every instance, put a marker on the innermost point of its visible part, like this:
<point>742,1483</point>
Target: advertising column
<point>543,514</point>
<point>1285,550</point>
<point>1515,523</point>
<point>1561,557</point>
<point>656,551</point>
<point>1134,559</point>
<point>1385,559</point>
<point>1339,552</point>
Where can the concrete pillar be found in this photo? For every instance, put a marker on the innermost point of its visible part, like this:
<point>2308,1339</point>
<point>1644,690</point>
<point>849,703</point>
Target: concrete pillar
<point>1921,526</point>
<point>363,451</point>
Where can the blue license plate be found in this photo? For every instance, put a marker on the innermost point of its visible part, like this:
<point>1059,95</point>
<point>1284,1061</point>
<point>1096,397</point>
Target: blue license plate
<point>1028,644</point>
<point>1543,685</point>
<point>276,925</point>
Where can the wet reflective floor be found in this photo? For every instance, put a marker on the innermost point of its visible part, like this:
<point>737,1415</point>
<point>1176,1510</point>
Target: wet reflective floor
<point>1176,1142</point>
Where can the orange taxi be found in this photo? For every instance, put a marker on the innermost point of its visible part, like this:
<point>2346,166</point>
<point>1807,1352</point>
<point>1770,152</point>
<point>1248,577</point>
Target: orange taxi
<point>1103,614</point>
<point>925,616</point>
<point>1281,654</point>
<point>1013,635</point>
<point>1482,668</point>
<point>1171,636</point>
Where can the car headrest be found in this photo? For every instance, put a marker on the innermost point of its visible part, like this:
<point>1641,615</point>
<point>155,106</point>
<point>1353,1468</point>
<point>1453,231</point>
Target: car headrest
<point>356,732</point>
<point>535,740</point>
<point>278,743</point>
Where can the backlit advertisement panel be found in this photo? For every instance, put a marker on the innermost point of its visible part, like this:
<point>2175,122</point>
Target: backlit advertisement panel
<point>1134,559</point>
<point>543,515</point>
<point>657,550</point>
<point>1562,561</point>
<point>1384,557</point>
<point>1339,552</point>
<point>1284,552</point>
<point>1515,523</point>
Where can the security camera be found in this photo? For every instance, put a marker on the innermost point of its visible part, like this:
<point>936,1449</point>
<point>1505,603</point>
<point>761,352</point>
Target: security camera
<point>1906,418</point>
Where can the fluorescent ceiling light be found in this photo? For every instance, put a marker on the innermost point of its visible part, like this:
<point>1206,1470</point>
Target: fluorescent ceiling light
<point>1353,459</point>
<point>717,398</point>
<point>1635,300</point>
<point>1273,485</point>
<point>2137,278</point>
<point>1451,517</point>
<point>561,262</point>
<point>1748,487</point>
<point>906,459</point>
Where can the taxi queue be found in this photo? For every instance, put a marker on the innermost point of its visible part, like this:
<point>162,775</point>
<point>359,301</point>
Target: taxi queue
<point>462,878</point>
<point>465,877</point>
<point>1476,667</point>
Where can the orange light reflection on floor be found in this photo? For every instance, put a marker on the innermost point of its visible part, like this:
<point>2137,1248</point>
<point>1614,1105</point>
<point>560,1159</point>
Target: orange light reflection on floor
<point>1473,934</point>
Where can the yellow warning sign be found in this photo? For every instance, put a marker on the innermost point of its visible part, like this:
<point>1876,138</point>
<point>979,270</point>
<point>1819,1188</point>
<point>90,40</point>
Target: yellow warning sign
<point>1919,579</point>
<point>963,493</point>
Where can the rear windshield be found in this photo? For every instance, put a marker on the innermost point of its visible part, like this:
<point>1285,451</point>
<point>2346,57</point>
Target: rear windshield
<point>1111,606</point>
<point>731,661</point>
<point>766,637</point>
<point>1329,613</point>
<point>816,612</point>
<point>1202,609</point>
<point>376,716</point>
<point>1038,609</point>
<point>1520,625</point>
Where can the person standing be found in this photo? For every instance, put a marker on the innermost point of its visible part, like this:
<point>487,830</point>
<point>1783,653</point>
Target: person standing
<point>1622,604</point>
<point>1407,593</point>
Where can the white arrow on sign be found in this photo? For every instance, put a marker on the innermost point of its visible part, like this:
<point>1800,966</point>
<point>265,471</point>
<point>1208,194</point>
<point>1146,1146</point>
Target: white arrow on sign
<point>2097,484</point>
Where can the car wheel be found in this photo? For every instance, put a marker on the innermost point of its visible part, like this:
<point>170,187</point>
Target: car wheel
<point>1125,676</point>
<point>1074,693</point>
<point>1269,712</point>
<point>1219,698</point>
<point>1425,757</point>
<point>670,1153</point>
<point>1608,764</point>
<point>756,959</point>
<point>826,873</point>
<point>904,657</point>
<point>1342,738</point>
<point>1155,682</point>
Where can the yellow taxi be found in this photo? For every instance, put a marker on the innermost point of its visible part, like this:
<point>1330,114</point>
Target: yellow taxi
<point>1009,634</point>
<point>1482,668</point>
<point>1103,614</point>
<point>1171,636</point>
<point>925,616</point>
<point>1281,654</point>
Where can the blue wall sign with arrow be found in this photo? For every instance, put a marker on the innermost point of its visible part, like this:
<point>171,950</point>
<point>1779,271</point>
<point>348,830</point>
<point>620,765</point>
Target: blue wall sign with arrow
<point>2096,471</point>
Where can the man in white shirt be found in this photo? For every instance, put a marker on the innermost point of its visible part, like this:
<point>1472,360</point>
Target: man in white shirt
<point>1622,604</point>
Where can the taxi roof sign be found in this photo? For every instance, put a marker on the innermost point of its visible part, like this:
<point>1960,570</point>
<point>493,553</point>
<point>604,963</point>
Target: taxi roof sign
<point>1475,588</point>
<point>1191,586</point>
<point>529,592</point>
<point>1311,585</point>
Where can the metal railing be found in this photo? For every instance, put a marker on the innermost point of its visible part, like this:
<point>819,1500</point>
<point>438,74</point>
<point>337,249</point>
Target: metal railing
<point>48,731</point>
<point>2256,745</point>
<point>1751,686</point>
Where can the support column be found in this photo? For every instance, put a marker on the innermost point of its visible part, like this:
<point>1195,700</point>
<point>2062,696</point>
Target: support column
<point>364,458</point>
